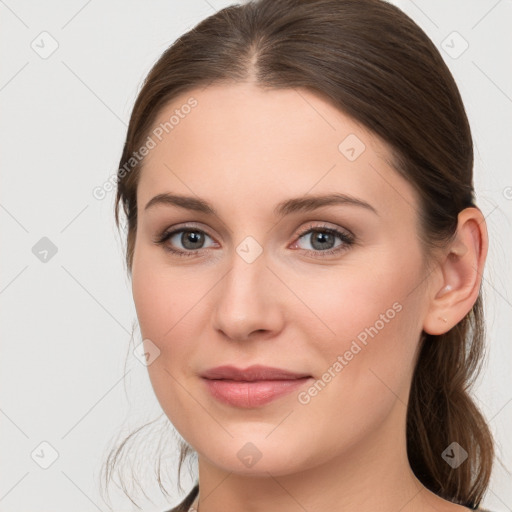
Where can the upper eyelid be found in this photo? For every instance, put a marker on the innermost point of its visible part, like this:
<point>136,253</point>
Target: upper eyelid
<point>302,230</point>
<point>324,225</point>
<point>186,227</point>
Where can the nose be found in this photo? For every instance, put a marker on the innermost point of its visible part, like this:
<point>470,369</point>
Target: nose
<point>248,301</point>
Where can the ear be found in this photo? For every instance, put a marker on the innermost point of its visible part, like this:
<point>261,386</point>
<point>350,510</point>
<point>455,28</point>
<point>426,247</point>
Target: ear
<point>461,267</point>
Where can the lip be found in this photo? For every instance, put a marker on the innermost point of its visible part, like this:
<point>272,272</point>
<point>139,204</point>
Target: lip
<point>251,387</point>
<point>252,373</point>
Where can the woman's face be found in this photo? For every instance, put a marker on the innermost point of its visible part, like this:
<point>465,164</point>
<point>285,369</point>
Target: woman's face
<point>259,283</point>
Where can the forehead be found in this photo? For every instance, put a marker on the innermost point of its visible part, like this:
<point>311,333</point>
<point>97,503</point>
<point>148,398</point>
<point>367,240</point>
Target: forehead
<point>253,147</point>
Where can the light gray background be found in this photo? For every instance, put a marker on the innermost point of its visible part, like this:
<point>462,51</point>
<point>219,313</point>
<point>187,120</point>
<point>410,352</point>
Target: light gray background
<point>66,323</point>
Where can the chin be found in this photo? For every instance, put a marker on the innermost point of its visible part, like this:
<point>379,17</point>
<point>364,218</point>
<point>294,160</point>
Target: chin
<point>256,457</point>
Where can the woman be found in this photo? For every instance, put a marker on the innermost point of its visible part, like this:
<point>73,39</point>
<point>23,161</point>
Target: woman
<point>306,258</point>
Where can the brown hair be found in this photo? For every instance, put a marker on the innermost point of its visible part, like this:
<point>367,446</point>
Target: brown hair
<point>375,64</point>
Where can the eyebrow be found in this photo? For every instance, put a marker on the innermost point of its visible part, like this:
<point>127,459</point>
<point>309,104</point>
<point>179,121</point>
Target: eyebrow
<point>286,207</point>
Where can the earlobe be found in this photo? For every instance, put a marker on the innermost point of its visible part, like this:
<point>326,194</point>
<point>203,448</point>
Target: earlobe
<point>461,267</point>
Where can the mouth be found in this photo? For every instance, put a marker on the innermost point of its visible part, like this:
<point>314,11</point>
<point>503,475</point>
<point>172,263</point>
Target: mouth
<point>252,387</point>
<point>252,373</point>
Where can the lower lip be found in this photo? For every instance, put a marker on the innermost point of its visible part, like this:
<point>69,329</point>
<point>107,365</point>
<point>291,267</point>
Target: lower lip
<point>252,394</point>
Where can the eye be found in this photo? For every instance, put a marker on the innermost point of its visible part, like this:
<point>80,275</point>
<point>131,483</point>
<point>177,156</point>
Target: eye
<point>322,239</point>
<point>191,240</point>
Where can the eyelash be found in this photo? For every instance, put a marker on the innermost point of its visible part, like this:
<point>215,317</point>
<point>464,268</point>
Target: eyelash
<point>347,238</point>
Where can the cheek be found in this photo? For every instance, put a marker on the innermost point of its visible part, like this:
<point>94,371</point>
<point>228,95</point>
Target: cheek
<point>164,301</point>
<point>163,296</point>
<point>170,302</point>
<point>364,370</point>
<point>349,300</point>
<point>366,326</point>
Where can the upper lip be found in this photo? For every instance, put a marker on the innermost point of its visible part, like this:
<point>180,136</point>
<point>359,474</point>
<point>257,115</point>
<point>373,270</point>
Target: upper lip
<point>252,373</point>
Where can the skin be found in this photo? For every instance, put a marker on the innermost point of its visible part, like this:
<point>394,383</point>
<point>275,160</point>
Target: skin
<point>243,150</point>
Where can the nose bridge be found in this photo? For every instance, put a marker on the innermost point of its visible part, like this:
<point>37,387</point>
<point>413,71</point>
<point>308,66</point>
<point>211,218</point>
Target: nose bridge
<point>246,301</point>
